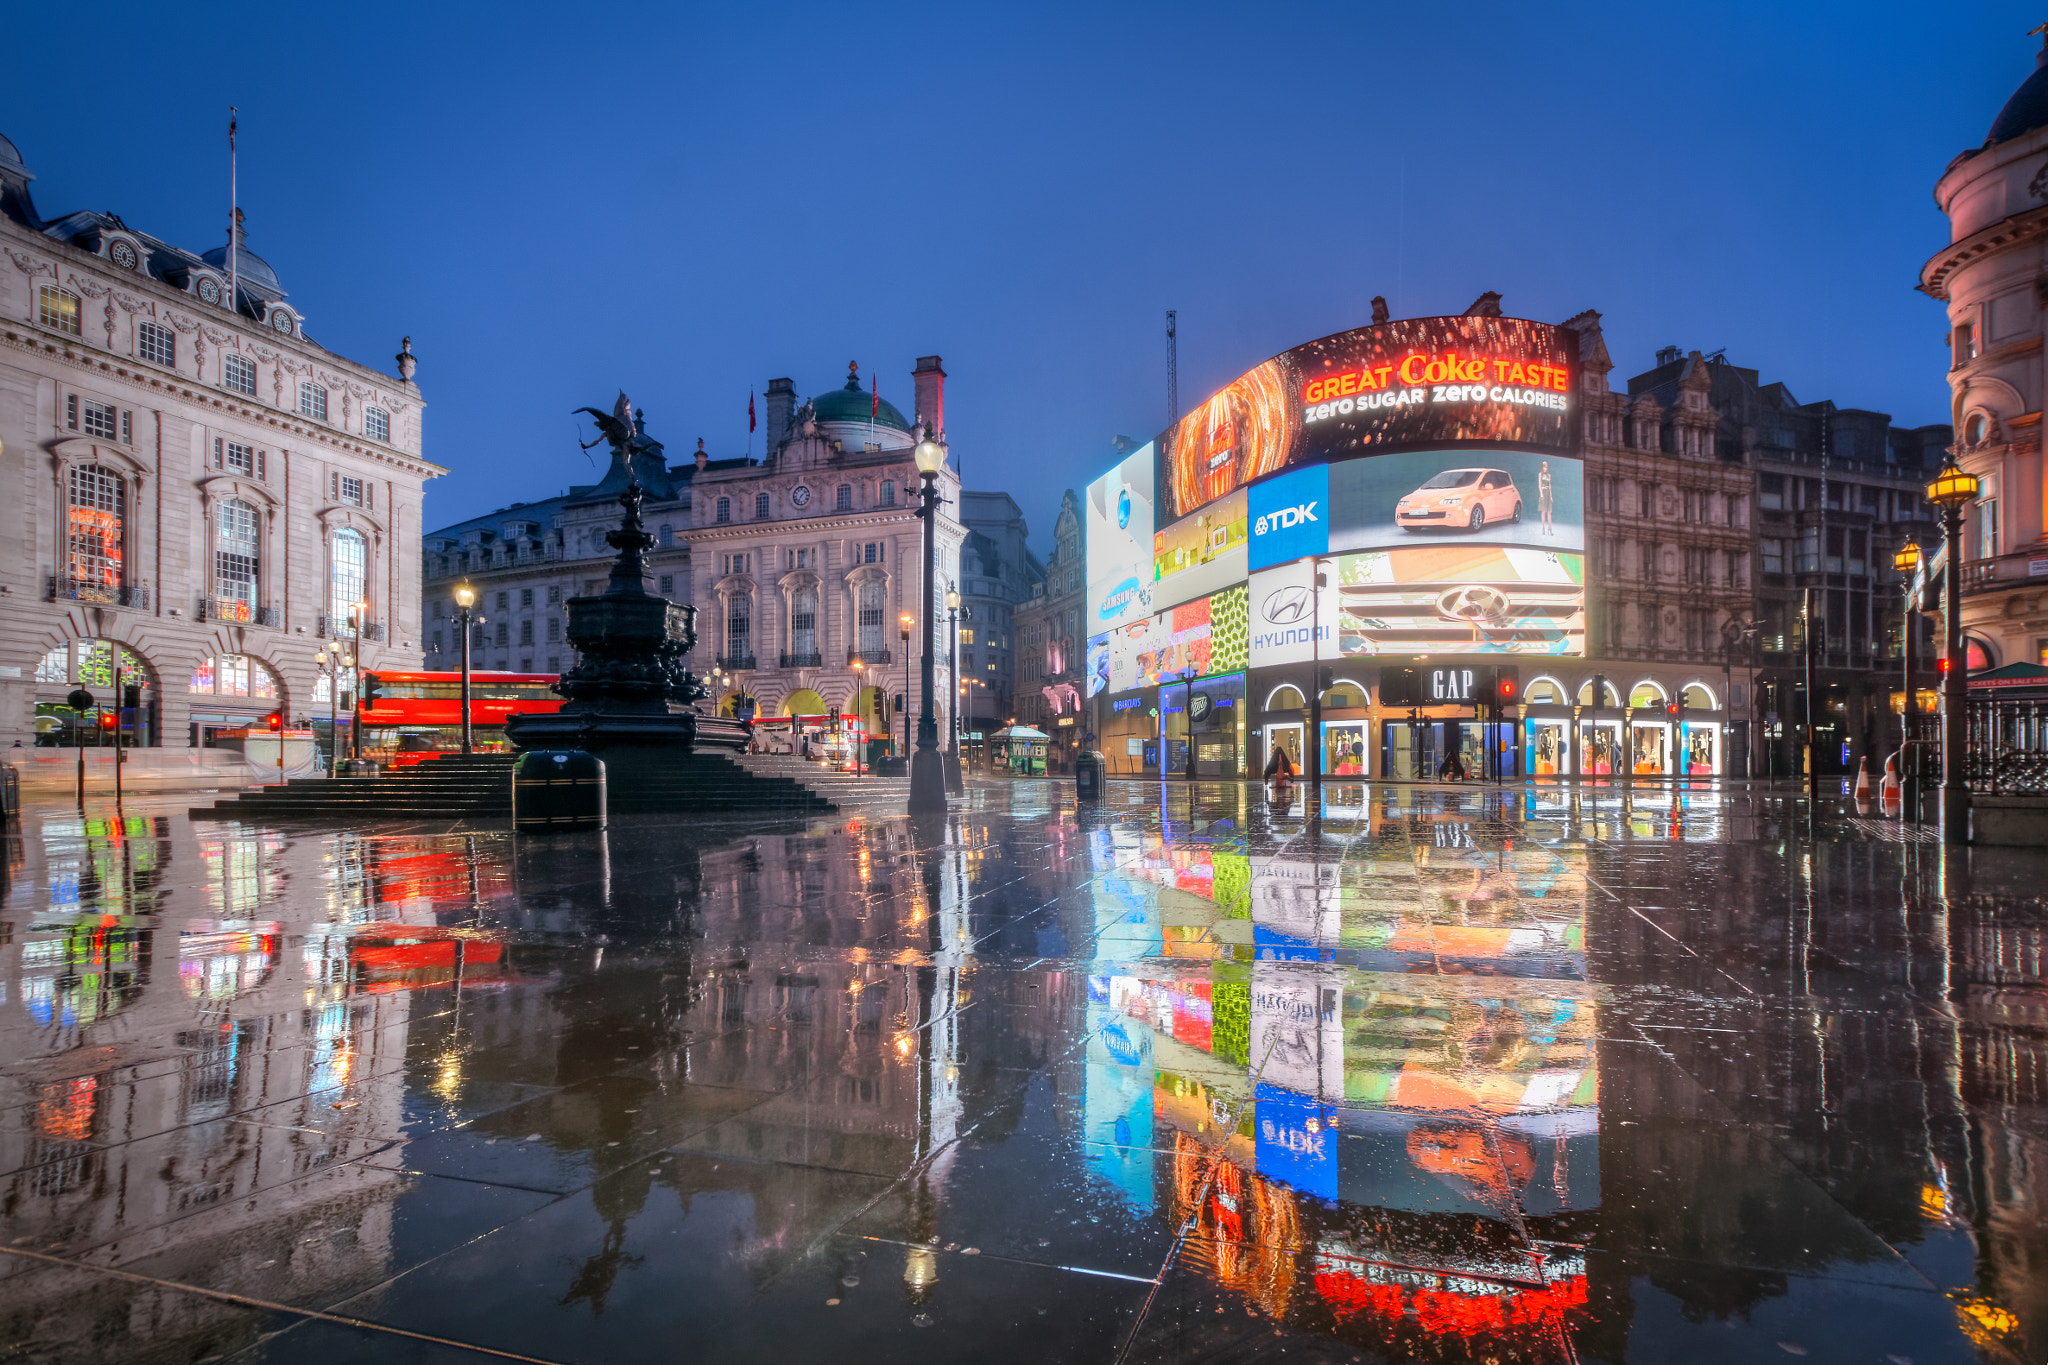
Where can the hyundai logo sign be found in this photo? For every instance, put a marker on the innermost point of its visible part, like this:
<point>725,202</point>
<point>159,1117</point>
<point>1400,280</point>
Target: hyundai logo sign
<point>1288,605</point>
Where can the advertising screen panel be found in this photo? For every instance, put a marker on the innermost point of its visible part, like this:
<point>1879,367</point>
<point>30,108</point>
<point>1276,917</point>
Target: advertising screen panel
<point>1201,553</point>
<point>1119,544</point>
<point>1432,599</point>
<point>1206,635</point>
<point>1415,381</point>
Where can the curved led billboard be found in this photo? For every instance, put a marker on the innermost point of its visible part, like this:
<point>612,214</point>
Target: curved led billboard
<point>1418,381</point>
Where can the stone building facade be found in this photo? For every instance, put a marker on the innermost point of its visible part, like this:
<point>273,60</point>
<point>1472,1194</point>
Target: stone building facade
<point>1052,646</point>
<point>997,572</point>
<point>198,492</point>
<point>1992,280</point>
<point>801,564</point>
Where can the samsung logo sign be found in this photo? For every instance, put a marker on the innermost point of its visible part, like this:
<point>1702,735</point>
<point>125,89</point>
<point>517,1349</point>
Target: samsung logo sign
<point>1113,605</point>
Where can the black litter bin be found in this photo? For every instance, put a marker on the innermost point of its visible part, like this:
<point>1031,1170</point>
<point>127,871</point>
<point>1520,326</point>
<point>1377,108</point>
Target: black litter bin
<point>10,792</point>
<point>557,789</point>
<point>1088,766</point>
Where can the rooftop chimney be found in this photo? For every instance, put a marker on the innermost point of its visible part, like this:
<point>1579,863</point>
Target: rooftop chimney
<point>781,412</point>
<point>931,394</point>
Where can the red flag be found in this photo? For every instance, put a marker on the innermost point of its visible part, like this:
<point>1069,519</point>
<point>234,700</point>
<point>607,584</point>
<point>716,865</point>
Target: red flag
<point>750,412</point>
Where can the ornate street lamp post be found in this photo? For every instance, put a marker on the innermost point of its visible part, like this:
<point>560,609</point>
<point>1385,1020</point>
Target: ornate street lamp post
<point>1952,490</point>
<point>1907,562</point>
<point>903,704</point>
<point>465,599</point>
<point>355,683</point>
<point>330,660</point>
<point>954,613</point>
<point>927,769</point>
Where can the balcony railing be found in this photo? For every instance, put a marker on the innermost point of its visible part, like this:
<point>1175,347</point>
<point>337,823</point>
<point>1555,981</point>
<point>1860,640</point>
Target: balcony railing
<point>803,661</point>
<point>340,628</point>
<point>733,663</point>
<point>867,658</point>
<point>104,594</point>
<point>235,610</point>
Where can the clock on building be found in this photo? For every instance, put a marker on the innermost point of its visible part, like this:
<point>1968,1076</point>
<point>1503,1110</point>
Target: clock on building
<point>281,320</point>
<point>209,289</point>
<point>800,496</point>
<point>123,255</point>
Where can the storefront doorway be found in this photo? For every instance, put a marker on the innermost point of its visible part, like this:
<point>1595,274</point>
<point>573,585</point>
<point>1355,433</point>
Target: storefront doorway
<point>1548,740</point>
<point>1599,747</point>
<point>1649,748</point>
<point>1344,751</point>
<point>1287,736</point>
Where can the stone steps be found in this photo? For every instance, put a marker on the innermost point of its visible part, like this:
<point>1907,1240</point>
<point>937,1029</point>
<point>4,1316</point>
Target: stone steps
<point>480,785</point>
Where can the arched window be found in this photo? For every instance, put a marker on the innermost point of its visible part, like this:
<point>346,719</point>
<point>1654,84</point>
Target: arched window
<point>95,525</point>
<point>872,641</point>
<point>348,558</point>
<point>1286,697</point>
<point>739,631</point>
<point>1608,697</point>
<point>1645,695</point>
<point>1544,692</point>
<point>845,497</point>
<point>803,622</point>
<point>235,561</point>
<point>1697,697</point>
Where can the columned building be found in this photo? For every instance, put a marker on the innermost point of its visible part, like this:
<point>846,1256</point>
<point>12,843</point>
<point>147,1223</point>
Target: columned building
<point>1051,645</point>
<point>199,494</point>
<point>1990,279</point>
<point>801,564</point>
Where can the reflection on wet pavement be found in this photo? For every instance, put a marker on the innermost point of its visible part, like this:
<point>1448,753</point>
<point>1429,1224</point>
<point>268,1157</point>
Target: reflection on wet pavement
<point>1441,1074</point>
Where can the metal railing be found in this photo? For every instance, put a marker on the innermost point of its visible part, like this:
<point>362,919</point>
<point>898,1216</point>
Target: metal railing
<point>803,661</point>
<point>340,628</point>
<point>867,657</point>
<point>2006,746</point>
<point>104,594</point>
<point>735,662</point>
<point>236,610</point>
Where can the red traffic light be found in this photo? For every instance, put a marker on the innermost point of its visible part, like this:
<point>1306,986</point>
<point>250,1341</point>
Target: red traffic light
<point>1670,708</point>
<point>274,720</point>
<point>1942,664</point>
<point>106,720</point>
<point>1507,688</point>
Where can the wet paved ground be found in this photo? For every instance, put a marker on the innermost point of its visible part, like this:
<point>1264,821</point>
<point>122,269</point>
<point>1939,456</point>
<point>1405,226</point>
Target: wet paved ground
<point>1443,1074</point>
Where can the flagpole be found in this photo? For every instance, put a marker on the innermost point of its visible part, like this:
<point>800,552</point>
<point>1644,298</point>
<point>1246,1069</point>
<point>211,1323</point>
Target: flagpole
<point>234,215</point>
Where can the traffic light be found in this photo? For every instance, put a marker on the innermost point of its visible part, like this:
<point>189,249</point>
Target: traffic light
<point>835,720</point>
<point>1671,709</point>
<point>131,698</point>
<point>106,720</point>
<point>1942,664</point>
<point>275,720</point>
<point>373,691</point>
<point>1507,691</point>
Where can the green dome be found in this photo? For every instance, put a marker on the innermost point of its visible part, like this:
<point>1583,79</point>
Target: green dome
<point>854,404</point>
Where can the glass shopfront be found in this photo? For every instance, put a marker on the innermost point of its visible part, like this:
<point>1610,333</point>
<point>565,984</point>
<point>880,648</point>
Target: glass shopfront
<point>1344,748</point>
<point>1702,748</point>
<point>1649,748</point>
<point>1130,733</point>
<point>1599,748</point>
<point>1547,742</point>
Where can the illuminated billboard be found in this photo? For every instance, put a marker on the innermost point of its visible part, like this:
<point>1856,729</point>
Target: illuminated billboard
<point>1206,636</point>
<point>1416,381</point>
<point>1201,553</point>
<point>1120,548</point>
<point>1431,599</point>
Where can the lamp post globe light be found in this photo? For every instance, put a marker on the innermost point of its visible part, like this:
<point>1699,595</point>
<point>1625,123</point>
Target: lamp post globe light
<point>954,613</point>
<point>465,599</point>
<point>1952,490</point>
<point>329,661</point>
<point>927,769</point>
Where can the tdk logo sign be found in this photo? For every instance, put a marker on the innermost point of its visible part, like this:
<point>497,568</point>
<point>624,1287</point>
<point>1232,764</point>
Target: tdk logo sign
<point>1290,516</point>
<point>1284,518</point>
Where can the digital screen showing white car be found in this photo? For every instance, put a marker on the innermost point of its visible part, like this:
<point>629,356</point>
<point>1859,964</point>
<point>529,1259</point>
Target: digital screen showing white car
<point>1461,500</point>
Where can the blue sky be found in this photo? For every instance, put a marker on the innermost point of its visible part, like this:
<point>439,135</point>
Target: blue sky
<point>687,201</point>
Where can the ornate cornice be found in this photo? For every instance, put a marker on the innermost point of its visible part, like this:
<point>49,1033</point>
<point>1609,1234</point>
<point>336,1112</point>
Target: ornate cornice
<point>2007,232</point>
<point>119,368</point>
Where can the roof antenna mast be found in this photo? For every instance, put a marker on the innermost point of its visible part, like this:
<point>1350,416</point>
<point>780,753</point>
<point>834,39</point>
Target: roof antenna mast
<point>234,220</point>
<point>1172,367</point>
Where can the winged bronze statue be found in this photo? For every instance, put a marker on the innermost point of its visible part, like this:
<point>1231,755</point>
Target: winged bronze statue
<point>617,425</point>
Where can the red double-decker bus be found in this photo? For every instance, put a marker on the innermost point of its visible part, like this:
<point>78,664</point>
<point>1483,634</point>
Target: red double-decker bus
<point>419,715</point>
